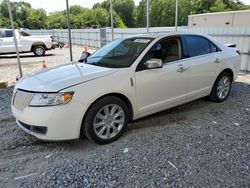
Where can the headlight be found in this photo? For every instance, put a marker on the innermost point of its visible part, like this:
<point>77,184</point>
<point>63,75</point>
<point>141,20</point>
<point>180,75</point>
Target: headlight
<point>50,99</point>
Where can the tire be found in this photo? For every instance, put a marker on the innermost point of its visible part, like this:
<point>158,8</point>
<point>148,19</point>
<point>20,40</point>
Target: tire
<point>106,120</point>
<point>39,51</point>
<point>221,87</point>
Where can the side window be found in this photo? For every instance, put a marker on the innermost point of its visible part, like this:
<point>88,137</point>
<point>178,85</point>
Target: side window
<point>172,51</point>
<point>197,45</point>
<point>214,48</point>
<point>1,35</point>
<point>8,33</point>
<point>167,50</point>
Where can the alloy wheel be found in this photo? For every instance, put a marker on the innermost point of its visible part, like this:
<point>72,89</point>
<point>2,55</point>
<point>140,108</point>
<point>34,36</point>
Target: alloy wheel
<point>109,121</point>
<point>223,87</point>
<point>39,51</point>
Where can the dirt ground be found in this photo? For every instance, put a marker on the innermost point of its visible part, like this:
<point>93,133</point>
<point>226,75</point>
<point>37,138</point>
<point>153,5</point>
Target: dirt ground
<point>199,144</point>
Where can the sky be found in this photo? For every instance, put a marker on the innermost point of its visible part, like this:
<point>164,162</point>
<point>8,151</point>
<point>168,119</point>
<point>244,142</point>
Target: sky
<point>56,5</point>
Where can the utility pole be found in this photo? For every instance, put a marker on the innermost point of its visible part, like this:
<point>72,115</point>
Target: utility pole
<point>176,14</point>
<point>147,16</point>
<point>111,19</point>
<point>15,39</point>
<point>69,31</point>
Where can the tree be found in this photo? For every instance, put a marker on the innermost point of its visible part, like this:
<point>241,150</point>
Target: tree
<point>20,12</point>
<point>162,13</point>
<point>37,19</point>
<point>159,14</point>
<point>125,9</point>
<point>140,15</point>
<point>101,16</point>
<point>56,20</point>
<point>218,6</point>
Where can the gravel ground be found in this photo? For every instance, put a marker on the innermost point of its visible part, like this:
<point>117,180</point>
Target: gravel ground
<point>9,69</point>
<point>199,144</point>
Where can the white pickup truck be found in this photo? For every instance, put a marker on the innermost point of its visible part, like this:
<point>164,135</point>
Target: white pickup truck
<point>26,43</point>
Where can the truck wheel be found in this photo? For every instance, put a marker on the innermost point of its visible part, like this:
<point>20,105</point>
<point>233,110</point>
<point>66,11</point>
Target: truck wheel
<point>39,50</point>
<point>106,120</point>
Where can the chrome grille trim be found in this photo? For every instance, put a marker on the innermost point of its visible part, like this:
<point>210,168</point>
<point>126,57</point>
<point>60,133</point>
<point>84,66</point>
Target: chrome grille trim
<point>22,99</point>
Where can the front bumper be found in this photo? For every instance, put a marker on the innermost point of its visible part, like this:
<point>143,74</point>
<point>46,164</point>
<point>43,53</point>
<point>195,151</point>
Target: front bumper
<point>52,123</point>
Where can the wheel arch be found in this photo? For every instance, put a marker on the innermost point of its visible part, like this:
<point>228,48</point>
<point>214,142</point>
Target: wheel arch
<point>226,70</point>
<point>37,44</point>
<point>229,71</point>
<point>124,98</point>
<point>120,96</point>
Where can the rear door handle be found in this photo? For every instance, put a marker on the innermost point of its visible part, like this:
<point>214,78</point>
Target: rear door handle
<point>182,69</point>
<point>217,60</point>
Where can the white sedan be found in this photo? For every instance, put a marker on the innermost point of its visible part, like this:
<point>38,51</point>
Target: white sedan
<point>127,79</point>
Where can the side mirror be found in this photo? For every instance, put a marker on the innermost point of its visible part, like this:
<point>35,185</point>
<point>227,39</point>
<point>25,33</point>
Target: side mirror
<point>153,63</point>
<point>84,57</point>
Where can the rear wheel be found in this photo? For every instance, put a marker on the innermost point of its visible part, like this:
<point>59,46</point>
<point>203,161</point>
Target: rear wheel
<point>39,51</point>
<point>106,120</point>
<point>221,88</point>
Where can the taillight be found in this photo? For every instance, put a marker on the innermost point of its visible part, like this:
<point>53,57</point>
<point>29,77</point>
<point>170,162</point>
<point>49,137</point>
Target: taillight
<point>238,51</point>
<point>52,38</point>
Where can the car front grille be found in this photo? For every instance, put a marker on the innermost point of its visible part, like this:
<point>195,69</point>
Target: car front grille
<point>22,99</point>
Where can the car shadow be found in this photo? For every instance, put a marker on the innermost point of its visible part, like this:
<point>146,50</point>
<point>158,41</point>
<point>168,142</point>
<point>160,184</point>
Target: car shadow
<point>23,56</point>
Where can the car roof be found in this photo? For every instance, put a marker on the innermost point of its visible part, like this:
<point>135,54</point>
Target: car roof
<point>162,35</point>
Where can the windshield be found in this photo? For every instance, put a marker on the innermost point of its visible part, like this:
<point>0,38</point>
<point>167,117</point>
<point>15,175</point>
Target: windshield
<point>119,53</point>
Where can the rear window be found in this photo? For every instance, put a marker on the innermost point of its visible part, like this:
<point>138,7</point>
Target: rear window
<point>8,33</point>
<point>197,45</point>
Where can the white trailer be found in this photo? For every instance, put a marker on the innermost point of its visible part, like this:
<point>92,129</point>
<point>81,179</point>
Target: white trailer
<point>220,19</point>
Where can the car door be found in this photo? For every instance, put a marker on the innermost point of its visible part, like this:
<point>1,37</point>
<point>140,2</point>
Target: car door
<point>203,57</point>
<point>7,42</point>
<point>157,89</point>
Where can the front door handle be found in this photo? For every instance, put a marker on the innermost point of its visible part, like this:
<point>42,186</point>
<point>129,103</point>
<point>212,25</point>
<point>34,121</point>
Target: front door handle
<point>182,69</point>
<point>217,60</point>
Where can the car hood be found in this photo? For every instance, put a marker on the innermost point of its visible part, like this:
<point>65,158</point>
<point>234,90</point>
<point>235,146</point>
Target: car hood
<point>63,76</point>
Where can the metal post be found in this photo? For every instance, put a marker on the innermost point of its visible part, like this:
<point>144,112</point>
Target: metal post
<point>15,39</point>
<point>147,16</point>
<point>176,14</point>
<point>69,31</point>
<point>111,19</point>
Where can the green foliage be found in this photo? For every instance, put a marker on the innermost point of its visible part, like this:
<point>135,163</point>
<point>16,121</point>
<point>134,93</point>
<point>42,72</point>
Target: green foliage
<point>124,8</point>
<point>218,6</point>
<point>56,20</point>
<point>140,15</point>
<point>37,19</point>
<point>20,12</point>
<point>162,13</point>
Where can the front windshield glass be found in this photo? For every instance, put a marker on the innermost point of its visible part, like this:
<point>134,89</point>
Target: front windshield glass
<point>119,53</point>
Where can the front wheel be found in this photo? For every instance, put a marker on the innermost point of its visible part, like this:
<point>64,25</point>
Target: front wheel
<point>106,120</point>
<point>221,88</point>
